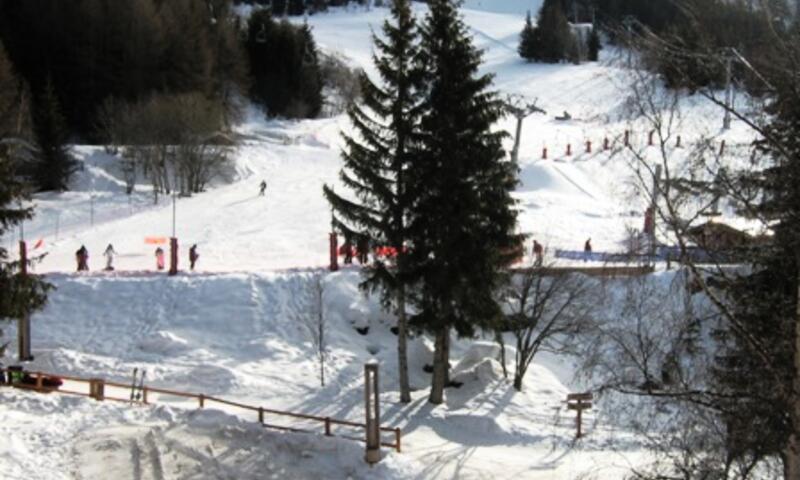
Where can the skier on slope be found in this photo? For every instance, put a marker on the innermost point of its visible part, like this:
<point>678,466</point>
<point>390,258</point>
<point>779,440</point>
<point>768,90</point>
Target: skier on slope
<point>109,254</point>
<point>160,258</point>
<point>82,257</point>
<point>587,249</point>
<point>347,249</point>
<point>193,256</point>
<point>262,188</point>
<point>362,249</point>
<point>538,254</point>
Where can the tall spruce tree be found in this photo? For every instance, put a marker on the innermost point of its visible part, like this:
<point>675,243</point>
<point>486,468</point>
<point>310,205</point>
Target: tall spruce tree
<point>553,33</point>
<point>377,160</point>
<point>594,45</point>
<point>528,40</point>
<point>19,295</point>
<point>462,228</point>
<point>55,164</point>
<point>297,7</point>
<point>309,83</point>
<point>760,371</point>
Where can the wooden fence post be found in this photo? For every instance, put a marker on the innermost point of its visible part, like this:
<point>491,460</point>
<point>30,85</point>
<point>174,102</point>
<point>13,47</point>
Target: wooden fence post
<point>202,399</point>
<point>39,381</point>
<point>588,146</point>
<point>569,149</point>
<point>678,143</point>
<point>144,395</point>
<point>371,403</point>
<point>261,415</point>
<point>650,137</point>
<point>328,426</point>
<point>397,436</point>
<point>627,137</point>
<point>173,256</point>
<point>722,148</point>
<point>24,322</point>
<point>605,144</point>
<point>97,389</point>
<point>544,153</point>
<point>334,247</point>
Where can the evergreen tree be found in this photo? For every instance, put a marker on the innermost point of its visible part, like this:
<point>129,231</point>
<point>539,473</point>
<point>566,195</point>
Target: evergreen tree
<point>376,164</point>
<point>284,67</point>
<point>279,7</point>
<point>14,101</point>
<point>19,295</point>
<point>527,40</point>
<point>461,230</point>
<point>297,7</point>
<point>553,33</point>
<point>55,164</point>
<point>762,395</point>
<point>594,45</point>
<point>309,81</point>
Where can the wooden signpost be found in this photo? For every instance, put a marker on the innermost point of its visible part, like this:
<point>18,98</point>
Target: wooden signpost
<point>579,402</point>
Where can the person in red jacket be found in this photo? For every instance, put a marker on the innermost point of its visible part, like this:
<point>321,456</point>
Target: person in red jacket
<point>160,258</point>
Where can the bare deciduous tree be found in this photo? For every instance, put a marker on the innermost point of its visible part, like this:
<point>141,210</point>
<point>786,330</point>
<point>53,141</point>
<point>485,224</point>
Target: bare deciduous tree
<point>310,314</point>
<point>545,312</point>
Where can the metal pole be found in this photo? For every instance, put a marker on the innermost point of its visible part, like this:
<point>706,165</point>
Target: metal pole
<point>373,416</point>
<point>173,214</point>
<point>91,209</point>
<point>515,150</point>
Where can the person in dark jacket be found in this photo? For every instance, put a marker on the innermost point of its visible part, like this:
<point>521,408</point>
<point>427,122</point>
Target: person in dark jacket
<point>193,256</point>
<point>362,249</point>
<point>262,188</point>
<point>587,249</point>
<point>347,249</point>
<point>538,254</point>
<point>82,257</point>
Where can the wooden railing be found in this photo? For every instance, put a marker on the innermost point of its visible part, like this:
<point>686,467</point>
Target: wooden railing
<point>97,388</point>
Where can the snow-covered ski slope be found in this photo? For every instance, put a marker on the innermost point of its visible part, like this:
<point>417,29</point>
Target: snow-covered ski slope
<point>563,199</point>
<point>230,329</point>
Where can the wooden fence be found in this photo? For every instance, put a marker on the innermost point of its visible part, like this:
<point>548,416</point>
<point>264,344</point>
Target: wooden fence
<point>97,386</point>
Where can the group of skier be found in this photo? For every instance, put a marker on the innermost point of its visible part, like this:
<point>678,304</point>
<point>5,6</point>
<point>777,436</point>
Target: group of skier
<point>538,252</point>
<point>82,258</point>
<point>82,255</point>
<point>360,251</point>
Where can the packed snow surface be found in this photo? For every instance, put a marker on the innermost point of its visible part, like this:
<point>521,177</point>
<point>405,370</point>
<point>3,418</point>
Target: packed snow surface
<point>233,328</point>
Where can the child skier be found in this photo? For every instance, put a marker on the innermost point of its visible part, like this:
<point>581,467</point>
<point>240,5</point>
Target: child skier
<point>109,254</point>
<point>263,188</point>
<point>160,258</point>
<point>193,256</point>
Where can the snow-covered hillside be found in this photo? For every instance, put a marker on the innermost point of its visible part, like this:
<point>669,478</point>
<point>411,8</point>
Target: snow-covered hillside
<point>230,328</point>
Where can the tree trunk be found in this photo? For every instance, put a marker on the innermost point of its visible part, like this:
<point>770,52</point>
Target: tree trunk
<point>791,461</point>
<point>518,376</point>
<point>322,371</point>
<point>439,380</point>
<point>498,337</point>
<point>402,355</point>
